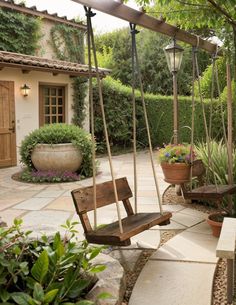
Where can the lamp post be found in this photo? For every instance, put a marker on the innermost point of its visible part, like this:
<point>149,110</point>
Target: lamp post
<point>174,55</point>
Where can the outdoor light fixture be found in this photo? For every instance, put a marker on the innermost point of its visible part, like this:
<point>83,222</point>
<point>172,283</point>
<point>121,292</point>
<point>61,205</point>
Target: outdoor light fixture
<point>174,55</point>
<point>25,90</point>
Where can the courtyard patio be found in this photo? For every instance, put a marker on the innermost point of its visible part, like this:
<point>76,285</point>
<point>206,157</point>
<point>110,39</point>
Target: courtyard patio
<point>184,265</point>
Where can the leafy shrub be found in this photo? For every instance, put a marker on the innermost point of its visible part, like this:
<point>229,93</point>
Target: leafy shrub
<point>48,176</point>
<point>55,134</point>
<point>118,109</point>
<point>45,271</point>
<point>217,167</point>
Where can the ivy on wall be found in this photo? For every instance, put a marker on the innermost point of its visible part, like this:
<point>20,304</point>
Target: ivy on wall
<point>19,33</point>
<point>68,45</point>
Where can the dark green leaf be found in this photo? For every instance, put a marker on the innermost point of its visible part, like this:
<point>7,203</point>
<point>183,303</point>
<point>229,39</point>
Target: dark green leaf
<point>40,268</point>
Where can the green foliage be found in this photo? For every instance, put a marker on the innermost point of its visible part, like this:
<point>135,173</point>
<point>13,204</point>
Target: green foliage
<point>47,270</point>
<point>68,44</point>
<point>171,153</point>
<point>206,79</point>
<point>118,109</point>
<point>55,134</point>
<point>19,33</point>
<point>80,87</point>
<point>155,74</point>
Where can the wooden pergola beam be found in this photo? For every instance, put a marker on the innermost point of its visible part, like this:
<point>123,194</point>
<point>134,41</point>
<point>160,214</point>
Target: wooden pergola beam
<point>119,10</point>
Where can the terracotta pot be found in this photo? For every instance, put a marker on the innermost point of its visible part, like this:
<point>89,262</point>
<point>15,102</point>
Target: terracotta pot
<point>215,220</point>
<point>56,157</point>
<point>176,173</point>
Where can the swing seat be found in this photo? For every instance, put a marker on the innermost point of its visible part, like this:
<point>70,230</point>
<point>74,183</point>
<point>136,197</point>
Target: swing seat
<point>110,234</point>
<point>210,192</point>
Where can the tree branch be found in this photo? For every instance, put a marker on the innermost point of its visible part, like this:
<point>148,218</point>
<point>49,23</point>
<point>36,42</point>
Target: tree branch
<point>223,11</point>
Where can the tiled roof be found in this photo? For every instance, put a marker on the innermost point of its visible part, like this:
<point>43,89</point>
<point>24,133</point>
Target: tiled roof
<point>28,62</point>
<point>43,14</point>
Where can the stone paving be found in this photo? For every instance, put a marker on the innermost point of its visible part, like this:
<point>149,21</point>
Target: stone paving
<point>180,272</point>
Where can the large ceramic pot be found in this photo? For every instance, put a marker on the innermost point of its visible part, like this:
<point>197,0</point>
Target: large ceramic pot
<point>215,220</point>
<point>56,157</point>
<point>176,173</point>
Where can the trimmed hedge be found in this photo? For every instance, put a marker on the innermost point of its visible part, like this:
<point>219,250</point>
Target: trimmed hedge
<point>118,109</point>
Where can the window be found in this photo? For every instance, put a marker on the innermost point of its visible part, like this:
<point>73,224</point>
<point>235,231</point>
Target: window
<point>51,104</point>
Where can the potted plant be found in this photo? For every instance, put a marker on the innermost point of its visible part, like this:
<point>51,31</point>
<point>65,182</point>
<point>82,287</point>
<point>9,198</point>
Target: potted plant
<point>58,148</point>
<point>175,161</point>
<point>217,174</point>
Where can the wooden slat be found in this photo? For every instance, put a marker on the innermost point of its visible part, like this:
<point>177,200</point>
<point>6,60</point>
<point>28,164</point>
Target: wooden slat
<point>117,9</point>
<point>83,197</point>
<point>211,192</point>
<point>132,225</point>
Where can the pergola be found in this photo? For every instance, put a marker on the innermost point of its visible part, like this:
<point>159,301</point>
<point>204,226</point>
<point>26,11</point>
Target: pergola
<point>122,11</point>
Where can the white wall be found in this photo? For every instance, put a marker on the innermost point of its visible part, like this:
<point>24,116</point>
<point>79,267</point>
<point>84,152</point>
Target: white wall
<point>27,108</point>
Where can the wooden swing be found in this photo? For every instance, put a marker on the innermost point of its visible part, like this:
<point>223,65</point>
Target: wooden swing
<point>205,192</point>
<point>93,197</point>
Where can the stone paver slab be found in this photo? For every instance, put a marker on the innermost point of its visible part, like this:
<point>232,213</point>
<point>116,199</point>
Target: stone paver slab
<point>188,246</point>
<point>172,226</point>
<point>50,193</point>
<point>62,204</point>
<point>9,215</point>
<point>187,220</point>
<point>149,239</point>
<point>7,203</point>
<point>195,213</point>
<point>33,204</point>
<point>202,228</point>
<point>173,283</point>
<point>172,207</point>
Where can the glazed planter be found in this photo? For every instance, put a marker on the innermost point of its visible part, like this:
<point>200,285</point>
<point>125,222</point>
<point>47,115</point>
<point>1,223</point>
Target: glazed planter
<point>176,173</point>
<point>215,220</point>
<point>56,157</point>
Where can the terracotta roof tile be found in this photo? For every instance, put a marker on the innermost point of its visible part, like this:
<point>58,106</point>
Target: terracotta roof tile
<point>29,62</point>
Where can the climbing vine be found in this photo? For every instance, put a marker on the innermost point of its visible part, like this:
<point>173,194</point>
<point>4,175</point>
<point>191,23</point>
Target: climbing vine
<point>19,33</point>
<point>68,44</point>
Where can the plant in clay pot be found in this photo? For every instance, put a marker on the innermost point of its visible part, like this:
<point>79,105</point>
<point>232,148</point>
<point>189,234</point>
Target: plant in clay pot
<point>217,174</point>
<point>175,161</point>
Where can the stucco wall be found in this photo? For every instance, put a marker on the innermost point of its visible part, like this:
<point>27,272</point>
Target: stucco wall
<point>27,108</point>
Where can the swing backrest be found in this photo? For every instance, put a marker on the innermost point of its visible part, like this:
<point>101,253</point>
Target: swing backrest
<point>83,197</point>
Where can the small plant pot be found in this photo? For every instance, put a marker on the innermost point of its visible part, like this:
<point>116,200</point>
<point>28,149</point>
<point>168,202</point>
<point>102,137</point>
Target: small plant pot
<point>215,220</point>
<point>176,173</point>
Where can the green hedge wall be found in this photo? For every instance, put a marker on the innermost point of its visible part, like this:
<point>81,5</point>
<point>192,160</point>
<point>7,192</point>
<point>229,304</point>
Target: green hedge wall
<point>118,109</point>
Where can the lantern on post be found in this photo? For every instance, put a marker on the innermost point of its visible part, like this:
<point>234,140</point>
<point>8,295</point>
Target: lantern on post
<point>174,55</point>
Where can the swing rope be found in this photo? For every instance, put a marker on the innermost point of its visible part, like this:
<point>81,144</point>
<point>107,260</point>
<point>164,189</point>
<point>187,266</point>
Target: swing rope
<point>136,60</point>
<point>92,46</point>
<point>133,33</point>
<point>92,119</point>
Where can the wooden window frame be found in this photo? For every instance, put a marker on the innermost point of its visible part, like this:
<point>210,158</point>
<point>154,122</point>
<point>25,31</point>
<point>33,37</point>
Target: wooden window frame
<point>42,103</point>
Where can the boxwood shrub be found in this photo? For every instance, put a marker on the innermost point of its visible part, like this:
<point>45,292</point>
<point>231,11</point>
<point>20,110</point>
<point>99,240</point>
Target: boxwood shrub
<point>118,109</point>
<point>56,134</point>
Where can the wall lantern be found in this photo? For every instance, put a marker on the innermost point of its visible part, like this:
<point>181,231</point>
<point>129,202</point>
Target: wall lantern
<point>174,55</point>
<point>25,90</point>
